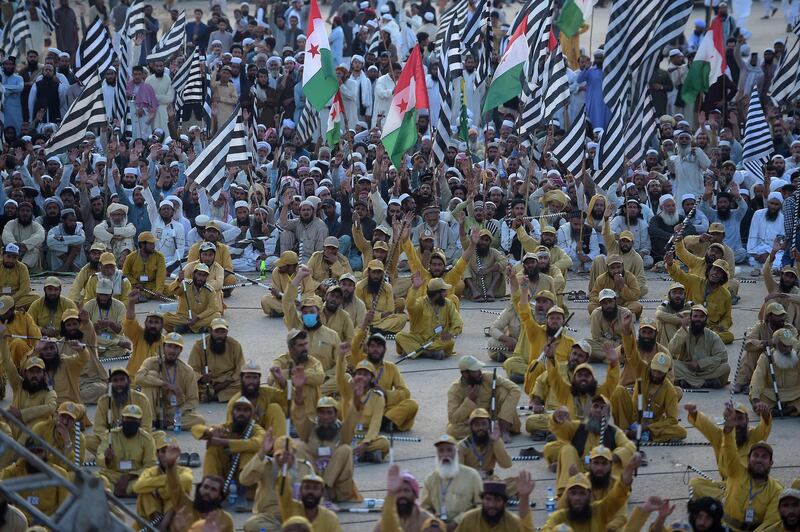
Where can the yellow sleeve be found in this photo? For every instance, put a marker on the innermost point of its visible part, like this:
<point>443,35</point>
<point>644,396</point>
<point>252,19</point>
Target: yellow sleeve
<point>708,429</point>
<point>729,456</point>
<point>357,346</point>
<point>632,358</point>
<point>161,272</point>
<point>390,521</point>
<point>373,432</point>
<point>559,387</point>
<point>762,430</point>
<point>285,501</point>
<point>414,264</point>
<point>24,284</point>
<point>175,492</point>
<point>610,505</point>
<point>636,520</point>
<point>290,317</point>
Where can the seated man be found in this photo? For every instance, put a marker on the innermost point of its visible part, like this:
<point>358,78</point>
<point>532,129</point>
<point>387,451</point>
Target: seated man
<point>758,338</point>
<point>672,312</point>
<point>493,511</point>
<point>332,314</point>
<point>623,246</point>
<point>21,331</point>
<point>108,270</point>
<point>328,263</point>
<point>146,267</point>
<point>282,275</point>
<point>474,390</point>
<point>701,360</point>
<point>146,340</point>
<point>116,232</point>
<point>503,334</point>
<point>197,303</point>
<point>242,436</point>
<point>606,322</point>
<point>297,356</point>
<point>350,303</point>
<point>32,398</point>
<point>484,277</point>
<point>222,256</point>
<point>451,489</point>
<point>782,362</point>
<point>483,449</point>
<point>60,433</point>
<point>217,360</point>
<point>699,265</point>
<point>712,290</point>
<point>435,321</point>
<point>377,295</point>
<point>640,349</point>
<point>269,402</point>
<point>126,453</point>
<point>109,408</point>
<point>76,291</point>
<point>400,408</point>
<point>308,507</point>
<point>152,497</point>
<point>46,311</point>
<point>93,376</point>
<point>47,499</point>
<point>15,280</point>
<point>170,386</point>
<point>216,274</point>
<point>622,282</point>
<point>107,313</point>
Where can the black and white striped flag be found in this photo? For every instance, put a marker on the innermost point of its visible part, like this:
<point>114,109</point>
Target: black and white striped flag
<point>556,85</point>
<point>570,150</point>
<point>15,32</point>
<point>672,19</point>
<point>87,111</point>
<point>47,14</point>
<point>611,153</point>
<point>309,123</point>
<point>785,79</point>
<point>448,74</point>
<point>134,19</point>
<point>121,111</point>
<point>95,53</point>
<point>484,70</point>
<point>457,13</point>
<point>180,78</point>
<point>757,146</point>
<point>796,27</point>
<point>374,42</point>
<point>171,42</point>
<point>227,148</point>
<point>640,128</point>
<point>207,100</point>
<point>473,26</point>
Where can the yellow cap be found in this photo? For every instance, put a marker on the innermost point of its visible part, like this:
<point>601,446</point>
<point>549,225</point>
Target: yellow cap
<point>437,283</point>
<point>311,301</point>
<point>784,336</point>
<point>613,259</point>
<point>52,281</point>
<point>484,232</point>
<point>584,346</point>
<point>649,323</point>
<point>70,314</point>
<point>434,523</point>
<point>789,269</point>
<point>287,258</point>
<point>132,411</point>
<point>294,333</point>
<point>375,264</point>
<point>6,303</point>
<point>661,362</point>
<point>545,294</point>
<point>700,308</point>
<point>327,401</point>
<point>312,477</point>
<point>147,236</point>
<point>721,264</point>
<point>367,366</point>
<point>583,366</point>
<point>601,451</point>
<point>542,251</point>
<point>676,286</point>
<point>776,309</point>
<point>108,258</point>
<point>34,362</point>
<point>556,310</point>
<point>68,408</point>
<point>173,338</point>
<point>479,413</point>
<point>219,323</point>
<point>445,438</point>
<point>251,367</point>
<point>201,268</point>
<point>579,481</point>
<point>626,235</point>
<point>212,225</point>
<point>548,229</point>
<point>380,244</point>
<point>716,227</point>
<point>296,521</point>
<point>98,246</point>
<point>161,440</point>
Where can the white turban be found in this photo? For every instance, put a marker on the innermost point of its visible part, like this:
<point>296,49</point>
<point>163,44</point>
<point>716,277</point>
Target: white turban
<point>777,196</point>
<point>664,198</point>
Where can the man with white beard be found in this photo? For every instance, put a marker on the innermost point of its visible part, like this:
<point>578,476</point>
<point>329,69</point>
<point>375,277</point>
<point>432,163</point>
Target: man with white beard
<point>116,232</point>
<point>784,362</point>
<point>662,226</point>
<point>688,165</point>
<point>765,225</point>
<point>451,489</point>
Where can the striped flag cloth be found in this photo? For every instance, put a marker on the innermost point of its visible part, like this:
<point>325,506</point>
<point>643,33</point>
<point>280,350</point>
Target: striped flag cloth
<point>134,19</point>
<point>121,95</point>
<point>47,14</point>
<point>207,95</point>
<point>95,53</point>
<point>445,84</point>
<point>457,13</point>
<point>796,27</point>
<point>484,69</point>
<point>15,33</point>
<point>611,153</point>
<point>309,123</point>
<point>87,111</point>
<point>640,128</point>
<point>374,42</point>
<point>671,21</point>
<point>757,146</point>
<point>227,148</point>
<point>785,80</point>
<point>180,79</point>
<point>171,42</point>
<point>556,86</point>
<point>473,26</point>
<point>570,150</point>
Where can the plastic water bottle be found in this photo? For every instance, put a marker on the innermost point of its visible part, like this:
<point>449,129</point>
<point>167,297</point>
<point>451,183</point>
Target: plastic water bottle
<point>176,422</point>
<point>262,270</point>
<point>233,490</point>
<point>370,503</point>
<point>550,505</point>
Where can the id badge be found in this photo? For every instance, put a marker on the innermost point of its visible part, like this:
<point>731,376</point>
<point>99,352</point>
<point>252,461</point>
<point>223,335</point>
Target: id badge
<point>586,459</point>
<point>173,401</point>
<point>33,500</point>
<point>749,515</point>
<point>324,452</point>
<point>438,329</point>
<point>125,465</point>
<point>105,335</point>
<point>647,414</point>
<point>143,278</point>
<point>7,290</point>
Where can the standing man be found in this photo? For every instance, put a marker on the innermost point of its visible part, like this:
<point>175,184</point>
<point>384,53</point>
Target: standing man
<point>596,109</point>
<point>164,93</point>
<point>143,103</point>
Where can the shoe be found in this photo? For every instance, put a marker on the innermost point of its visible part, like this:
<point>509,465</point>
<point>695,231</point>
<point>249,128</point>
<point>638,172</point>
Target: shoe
<point>539,435</point>
<point>774,10</point>
<point>755,272</point>
<point>184,459</point>
<point>713,384</point>
<point>435,355</point>
<point>275,314</point>
<point>387,425</point>
<point>765,17</point>
<point>516,378</point>
<point>530,451</point>
<point>194,460</point>
<point>741,388</point>
<point>735,300</point>
<point>182,329</point>
<point>372,457</point>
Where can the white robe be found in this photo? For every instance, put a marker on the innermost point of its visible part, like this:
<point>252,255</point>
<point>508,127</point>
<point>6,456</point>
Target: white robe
<point>165,95</point>
<point>763,233</point>
<point>384,87</point>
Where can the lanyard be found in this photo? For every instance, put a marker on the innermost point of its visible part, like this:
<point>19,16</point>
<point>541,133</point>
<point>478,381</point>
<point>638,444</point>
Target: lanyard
<point>478,456</point>
<point>378,378</point>
<point>443,492</point>
<point>652,396</point>
<point>174,374</point>
<point>751,495</point>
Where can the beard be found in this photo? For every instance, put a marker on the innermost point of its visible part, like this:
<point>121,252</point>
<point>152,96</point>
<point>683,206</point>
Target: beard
<point>327,432</point>
<point>238,425</point>
<point>151,336</point>
<point>404,507</point>
<point>532,274</point>
<point>645,344</point>
<point>120,398</point>
<point>579,515</point>
<point>204,506</point>
<point>723,214</point>
<point>677,305</point>
<point>697,328</point>
<point>482,250</point>
<point>51,365</point>
<point>347,298</point>
<point>741,436</point>
<point>670,219</point>
<point>579,389</point>
<point>598,481</point>
<point>250,392</point>
<point>593,424</point>
<point>32,468</point>
<point>374,286</point>
<point>494,518</point>
<point>51,304</point>
<point>551,331</point>
<point>218,346</point>
<point>784,361</point>
<point>480,438</point>
<point>447,470</point>
<point>310,501</point>
<point>784,287</point>
<point>758,475</point>
<point>610,315</point>
<point>771,216</point>
<point>104,305</point>
<point>77,334</point>
<point>32,387</point>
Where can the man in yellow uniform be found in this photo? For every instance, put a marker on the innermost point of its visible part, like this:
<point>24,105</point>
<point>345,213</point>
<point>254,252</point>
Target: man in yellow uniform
<point>91,267</point>
<point>493,513</point>
<point>605,323</point>
<point>20,329</point>
<point>711,290</point>
<point>350,303</point>
<point>152,497</point>
<point>401,510</point>
<point>483,449</point>
<point>400,408</point>
<point>622,282</point>
<point>377,295</point>
<point>269,402</point>
<point>745,438</point>
<point>451,489</point>
<point>575,439</point>
<point>93,377</point>
<point>216,273</point>
<point>784,363</point>
<point>46,311</point>
<point>581,513</point>
<point>59,433</point>
<point>126,453</point>
<point>108,414</point>
<point>211,234</point>
<point>672,312</point>
<point>170,386</point>
<point>62,371</point>
<point>435,321</point>
<point>698,265</point>
<point>217,360</point>
<point>758,338</point>
<point>107,313</point>
<point>701,360</point>
<point>146,341</point>
<point>146,268</point>
<point>243,435</point>
<point>474,390</point>
<point>751,494</point>
<point>639,350</point>
<point>121,286</point>
<point>297,355</point>
<point>32,399</point>
<point>208,497</point>
<point>47,500</point>
<point>197,303</point>
<point>504,334</point>
<point>363,404</point>
<point>308,507</point>
<point>333,316</point>
<point>484,277</point>
<point>621,245</point>
<point>282,275</point>
<point>558,257</point>
<point>328,263</point>
<point>15,281</point>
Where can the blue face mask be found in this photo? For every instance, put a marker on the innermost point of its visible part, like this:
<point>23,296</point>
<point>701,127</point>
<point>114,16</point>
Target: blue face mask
<point>309,320</point>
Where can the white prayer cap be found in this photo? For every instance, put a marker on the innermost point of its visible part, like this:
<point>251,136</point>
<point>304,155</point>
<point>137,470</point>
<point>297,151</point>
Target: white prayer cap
<point>166,203</point>
<point>262,145</point>
<point>55,51</point>
<point>394,201</point>
<point>429,16</point>
<point>54,159</point>
<point>247,41</point>
<point>363,5</point>
<point>664,198</point>
<point>592,145</point>
<point>744,192</point>
<point>236,60</point>
<point>386,16</point>
<point>599,53</point>
<point>361,167</point>
<point>651,150</point>
<point>201,220</point>
<point>775,196</point>
<point>288,122</point>
<point>384,9</point>
<point>112,68</point>
<point>403,197</point>
<point>372,23</point>
<point>174,164</point>
<point>675,52</point>
<point>239,204</point>
<point>100,160</point>
<point>357,57</point>
<point>598,130</point>
<point>724,143</point>
<point>131,170</point>
<point>289,59</point>
<point>777,184</point>
<point>508,123</point>
<point>11,201</point>
<point>320,190</point>
<point>274,59</point>
<point>777,156</point>
<point>372,67</point>
<point>794,143</point>
<point>216,42</point>
<point>771,50</point>
<point>355,155</point>
<point>686,197</point>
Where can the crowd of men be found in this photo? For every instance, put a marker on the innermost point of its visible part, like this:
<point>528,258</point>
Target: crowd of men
<point>364,262</point>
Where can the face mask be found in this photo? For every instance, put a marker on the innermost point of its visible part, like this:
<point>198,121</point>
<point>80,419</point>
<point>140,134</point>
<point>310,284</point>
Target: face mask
<point>309,320</point>
<point>130,428</point>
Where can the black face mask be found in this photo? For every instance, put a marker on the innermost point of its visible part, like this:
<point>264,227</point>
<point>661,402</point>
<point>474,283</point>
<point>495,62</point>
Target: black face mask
<point>130,428</point>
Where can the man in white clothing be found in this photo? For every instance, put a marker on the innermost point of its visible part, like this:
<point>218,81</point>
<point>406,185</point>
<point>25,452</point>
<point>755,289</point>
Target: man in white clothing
<point>766,224</point>
<point>171,234</point>
<point>110,90</point>
<point>165,94</point>
<point>65,244</point>
<point>688,165</point>
<point>116,232</point>
<point>384,89</point>
<point>364,89</point>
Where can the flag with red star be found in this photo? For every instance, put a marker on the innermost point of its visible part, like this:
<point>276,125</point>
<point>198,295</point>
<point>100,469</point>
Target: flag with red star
<point>319,77</point>
<point>410,96</point>
<point>335,121</point>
